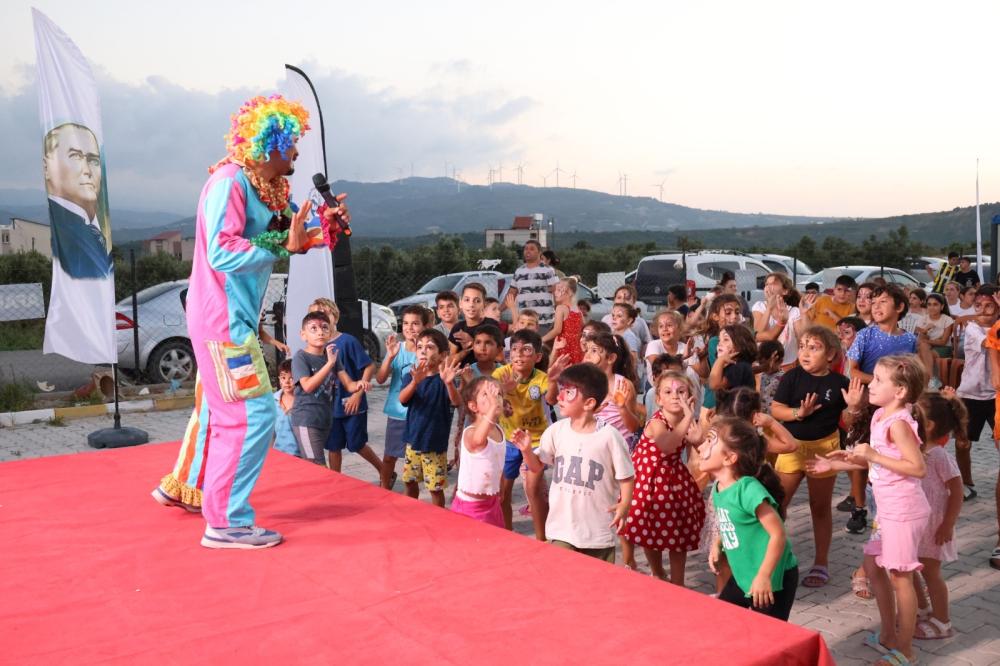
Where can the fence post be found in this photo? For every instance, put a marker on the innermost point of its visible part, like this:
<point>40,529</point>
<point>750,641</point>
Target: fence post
<point>371,293</point>
<point>135,319</point>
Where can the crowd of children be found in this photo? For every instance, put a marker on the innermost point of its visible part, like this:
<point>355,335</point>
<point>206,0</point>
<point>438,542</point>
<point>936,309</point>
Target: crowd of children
<point>689,435</point>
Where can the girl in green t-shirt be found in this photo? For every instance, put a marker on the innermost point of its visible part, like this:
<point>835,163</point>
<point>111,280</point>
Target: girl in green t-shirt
<point>747,497</point>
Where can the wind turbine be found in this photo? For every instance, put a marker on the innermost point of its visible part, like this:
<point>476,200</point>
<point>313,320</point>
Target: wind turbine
<point>557,171</point>
<point>545,180</point>
<point>622,184</point>
<point>574,178</point>
<point>520,174</point>
<point>661,189</point>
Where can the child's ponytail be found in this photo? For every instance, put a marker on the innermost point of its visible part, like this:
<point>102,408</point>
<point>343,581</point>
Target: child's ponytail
<point>944,415</point>
<point>624,363</point>
<point>741,437</point>
<point>769,479</point>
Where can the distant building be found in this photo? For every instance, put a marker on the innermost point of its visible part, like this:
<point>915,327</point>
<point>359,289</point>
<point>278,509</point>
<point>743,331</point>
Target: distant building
<point>24,236</point>
<point>525,228</point>
<point>170,242</point>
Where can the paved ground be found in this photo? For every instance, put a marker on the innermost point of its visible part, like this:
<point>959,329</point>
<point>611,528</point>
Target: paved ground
<point>833,610</point>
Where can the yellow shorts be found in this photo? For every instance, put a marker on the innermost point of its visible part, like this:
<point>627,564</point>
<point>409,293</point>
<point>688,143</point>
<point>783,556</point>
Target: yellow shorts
<point>795,463</point>
<point>429,468</point>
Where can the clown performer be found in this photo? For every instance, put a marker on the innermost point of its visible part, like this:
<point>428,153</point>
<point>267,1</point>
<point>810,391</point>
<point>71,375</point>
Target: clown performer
<point>245,222</point>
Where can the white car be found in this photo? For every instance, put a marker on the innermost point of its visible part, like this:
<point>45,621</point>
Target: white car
<point>656,273</point>
<point>826,277</point>
<point>492,280</point>
<point>779,263</point>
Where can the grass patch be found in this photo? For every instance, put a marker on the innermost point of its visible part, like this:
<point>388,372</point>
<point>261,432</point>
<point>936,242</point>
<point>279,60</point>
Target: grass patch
<point>57,421</point>
<point>21,335</point>
<point>16,397</point>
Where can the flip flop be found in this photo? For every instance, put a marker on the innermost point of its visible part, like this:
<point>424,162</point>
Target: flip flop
<point>995,558</point>
<point>873,639</point>
<point>933,629</point>
<point>895,658</point>
<point>860,588</point>
<point>817,573</point>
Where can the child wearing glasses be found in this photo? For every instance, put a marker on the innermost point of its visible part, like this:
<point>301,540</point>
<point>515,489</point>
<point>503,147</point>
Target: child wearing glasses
<point>526,390</point>
<point>592,475</point>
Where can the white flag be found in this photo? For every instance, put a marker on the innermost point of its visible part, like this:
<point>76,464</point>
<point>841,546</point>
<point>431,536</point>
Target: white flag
<point>81,319</point>
<point>310,275</point>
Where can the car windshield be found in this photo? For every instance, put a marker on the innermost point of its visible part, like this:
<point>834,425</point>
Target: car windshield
<point>440,283</point>
<point>800,267</point>
<point>149,293</point>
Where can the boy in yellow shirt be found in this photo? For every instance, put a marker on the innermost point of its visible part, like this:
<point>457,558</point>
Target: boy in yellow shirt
<point>526,390</point>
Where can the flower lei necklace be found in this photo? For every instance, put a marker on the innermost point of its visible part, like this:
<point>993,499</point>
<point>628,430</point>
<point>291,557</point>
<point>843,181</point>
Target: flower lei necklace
<point>273,193</point>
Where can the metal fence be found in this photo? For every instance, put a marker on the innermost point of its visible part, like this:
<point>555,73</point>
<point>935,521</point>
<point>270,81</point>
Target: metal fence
<point>154,350</point>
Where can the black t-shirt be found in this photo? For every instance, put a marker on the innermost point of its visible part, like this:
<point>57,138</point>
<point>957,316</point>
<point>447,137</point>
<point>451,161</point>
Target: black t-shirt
<point>739,374</point>
<point>461,327</point>
<point>685,309</point>
<point>796,384</point>
<point>967,279</point>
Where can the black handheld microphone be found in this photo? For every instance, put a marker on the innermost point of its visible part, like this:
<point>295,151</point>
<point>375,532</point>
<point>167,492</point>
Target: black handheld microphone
<point>323,188</point>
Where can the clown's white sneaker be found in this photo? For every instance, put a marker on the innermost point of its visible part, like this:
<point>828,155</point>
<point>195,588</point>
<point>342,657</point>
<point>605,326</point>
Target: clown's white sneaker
<point>240,537</point>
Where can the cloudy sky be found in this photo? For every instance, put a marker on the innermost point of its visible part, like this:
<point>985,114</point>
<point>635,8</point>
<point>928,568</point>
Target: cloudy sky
<point>849,108</point>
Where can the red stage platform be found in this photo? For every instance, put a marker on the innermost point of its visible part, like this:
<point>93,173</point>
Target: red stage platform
<point>93,570</point>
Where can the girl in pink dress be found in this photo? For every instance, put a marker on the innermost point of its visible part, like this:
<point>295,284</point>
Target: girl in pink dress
<point>667,511</point>
<point>944,414</point>
<point>895,465</point>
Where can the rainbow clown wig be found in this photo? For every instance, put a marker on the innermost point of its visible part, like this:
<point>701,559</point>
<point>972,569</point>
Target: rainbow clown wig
<point>264,124</point>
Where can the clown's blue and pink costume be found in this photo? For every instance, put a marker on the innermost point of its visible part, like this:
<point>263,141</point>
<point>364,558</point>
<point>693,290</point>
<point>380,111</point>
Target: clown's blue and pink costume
<point>233,421</point>
<point>228,278</point>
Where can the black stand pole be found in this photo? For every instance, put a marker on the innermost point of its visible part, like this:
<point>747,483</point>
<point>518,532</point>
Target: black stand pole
<point>118,436</point>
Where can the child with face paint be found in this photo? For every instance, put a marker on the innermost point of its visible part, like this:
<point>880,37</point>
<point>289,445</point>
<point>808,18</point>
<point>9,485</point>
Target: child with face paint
<point>667,511</point>
<point>745,404</point>
<point>724,311</point>
<point>747,498</point>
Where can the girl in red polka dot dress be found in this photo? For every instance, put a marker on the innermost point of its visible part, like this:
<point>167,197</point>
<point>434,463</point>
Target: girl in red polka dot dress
<point>667,512</point>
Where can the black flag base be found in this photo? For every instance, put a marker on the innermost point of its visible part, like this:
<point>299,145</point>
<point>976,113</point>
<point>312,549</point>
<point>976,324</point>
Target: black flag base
<point>117,437</point>
<point>113,438</point>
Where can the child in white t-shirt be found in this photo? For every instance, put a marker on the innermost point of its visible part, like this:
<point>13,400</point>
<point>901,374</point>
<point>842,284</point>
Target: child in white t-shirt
<point>592,475</point>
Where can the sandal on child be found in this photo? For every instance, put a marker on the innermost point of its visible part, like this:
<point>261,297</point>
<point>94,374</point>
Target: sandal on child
<point>895,658</point>
<point>933,629</point>
<point>995,558</point>
<point>873,639</point>
<point>859,586</point>
<point>817,577</point>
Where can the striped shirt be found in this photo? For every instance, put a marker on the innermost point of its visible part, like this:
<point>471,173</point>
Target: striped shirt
<point>944,275</point>
<point>533,291</point>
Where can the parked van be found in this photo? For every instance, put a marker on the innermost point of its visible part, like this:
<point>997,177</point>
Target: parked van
<point>657,272</point>
<point>779,263</point>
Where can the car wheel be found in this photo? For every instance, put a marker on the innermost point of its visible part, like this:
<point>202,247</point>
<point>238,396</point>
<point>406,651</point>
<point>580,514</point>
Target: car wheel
<point>173,360</point>
<point>370,343</point>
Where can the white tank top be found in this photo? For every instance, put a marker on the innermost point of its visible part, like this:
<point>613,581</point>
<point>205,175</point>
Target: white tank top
<point>479,472</point>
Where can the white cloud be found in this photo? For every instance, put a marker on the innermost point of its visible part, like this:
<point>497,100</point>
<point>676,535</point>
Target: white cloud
<point>161,137</point>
